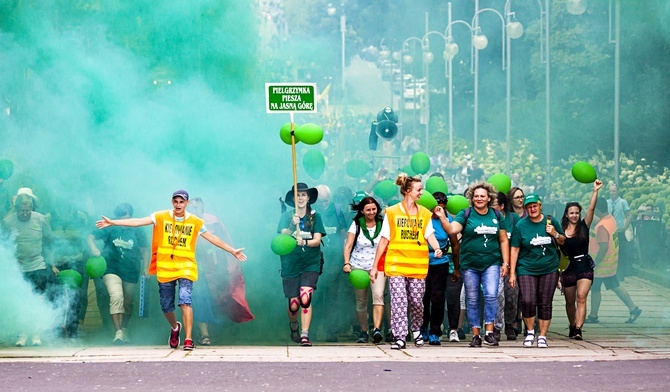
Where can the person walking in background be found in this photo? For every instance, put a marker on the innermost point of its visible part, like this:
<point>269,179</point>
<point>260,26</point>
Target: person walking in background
<point>534,259</point>
<point>406,230</point>
<point>334,286</point>
<point>221,283</point>
<point>515,198</point>
<point>32,233</point>
<point>301,268</point>
<point>577,278</point>
<point>621,211</point>
<point>126,251</point>
<point>173,261</point>
<point>440,271</point>
<point>359,254</point>
<point>508,296</point>
<point>604,249</point>
<point>484,248</point>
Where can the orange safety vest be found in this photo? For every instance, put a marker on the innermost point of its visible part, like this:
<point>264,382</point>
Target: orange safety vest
<point>173,247</point>
<point>407,253</point>
<point>608,266</point>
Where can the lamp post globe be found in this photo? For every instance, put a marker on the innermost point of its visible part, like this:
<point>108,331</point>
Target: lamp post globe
<point>480,41</point>
<point>515,30</point>
<point>576,7</point>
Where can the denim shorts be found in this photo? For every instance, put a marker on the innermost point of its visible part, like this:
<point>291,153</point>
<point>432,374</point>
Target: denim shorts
<point>166,292</point>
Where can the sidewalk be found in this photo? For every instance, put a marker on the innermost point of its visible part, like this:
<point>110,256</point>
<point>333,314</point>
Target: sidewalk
<point>611,339</point>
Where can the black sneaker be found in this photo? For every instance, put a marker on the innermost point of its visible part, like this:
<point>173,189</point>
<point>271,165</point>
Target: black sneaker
<point>295,334</point>
<point>496,334</point>
<point>578,334</point>
<point>571,334</point>
<point>477,341</point>
<point>490,340</point>
<point>461,334</point>
<point>510,332</point>
<point>377,336</point>
<point>389,337</point>
<point>363,337</point>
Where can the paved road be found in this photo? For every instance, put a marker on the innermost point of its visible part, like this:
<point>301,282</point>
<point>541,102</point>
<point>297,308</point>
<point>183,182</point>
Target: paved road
<point>645,375</point>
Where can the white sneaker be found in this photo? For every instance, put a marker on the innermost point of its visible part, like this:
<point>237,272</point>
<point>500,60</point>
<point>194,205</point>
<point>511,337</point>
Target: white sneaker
<point>118,338</point>
<point>36,341</point>
<point>22,340</point>
<point>453,336</point>
<point>126,336</point>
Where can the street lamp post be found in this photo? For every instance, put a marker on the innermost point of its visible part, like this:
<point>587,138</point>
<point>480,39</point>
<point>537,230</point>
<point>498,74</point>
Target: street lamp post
<point>406,58</point>
<point>514,31</point>
<point>343,30</point>
<point>484,42</point>
<point>578,7</point>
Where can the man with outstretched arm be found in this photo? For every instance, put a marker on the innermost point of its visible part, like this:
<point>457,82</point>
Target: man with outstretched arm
<point>173,260</point>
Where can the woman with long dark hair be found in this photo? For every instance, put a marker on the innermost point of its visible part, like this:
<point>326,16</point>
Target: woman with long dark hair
<point>359,254</point>
<point>578,277</point>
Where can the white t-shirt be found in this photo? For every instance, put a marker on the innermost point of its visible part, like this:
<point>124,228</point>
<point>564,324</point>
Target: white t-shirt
<point>364,252</point>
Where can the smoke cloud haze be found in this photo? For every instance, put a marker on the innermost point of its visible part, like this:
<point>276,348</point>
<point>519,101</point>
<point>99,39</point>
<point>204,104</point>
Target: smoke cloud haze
<point>109,102</point>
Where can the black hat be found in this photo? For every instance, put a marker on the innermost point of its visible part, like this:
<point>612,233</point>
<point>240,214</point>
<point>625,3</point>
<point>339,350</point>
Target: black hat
<point>302,187</point>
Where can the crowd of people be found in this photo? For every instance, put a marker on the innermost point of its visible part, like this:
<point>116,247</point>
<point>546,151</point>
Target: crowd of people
<point>51,243</point>
<point>493,266</point>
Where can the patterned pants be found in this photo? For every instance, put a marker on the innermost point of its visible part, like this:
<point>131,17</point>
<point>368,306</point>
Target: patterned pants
<point>404,292</point>
<point>500,315</point>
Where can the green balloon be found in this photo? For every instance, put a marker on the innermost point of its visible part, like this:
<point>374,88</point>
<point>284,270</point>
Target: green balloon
<point>357,168</point>
<point>359,279</point>
<point>309,133</point>
<point>456,203</point>
<point>282,244</point>
<point>436,184</point>
<point>501,182</point>
<point>96,266</point>
<point>70,278</point>
<point>285,133</point>
<point>420,163</point>
<point>584,172</point>
<point>407,169</point>
<point>427,200</point>
<point>6,169</point>
<point>385,189</point>
<point>314,163</point>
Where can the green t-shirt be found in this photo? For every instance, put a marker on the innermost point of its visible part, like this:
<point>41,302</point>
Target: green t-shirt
<point>302,258</point>
<point>511,218</point>
<point>480,247</point>
<point>537,252</point>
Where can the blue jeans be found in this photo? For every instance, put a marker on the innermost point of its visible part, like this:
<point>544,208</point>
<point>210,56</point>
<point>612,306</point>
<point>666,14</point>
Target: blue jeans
<point>166,292</point>
<point>488,279</point>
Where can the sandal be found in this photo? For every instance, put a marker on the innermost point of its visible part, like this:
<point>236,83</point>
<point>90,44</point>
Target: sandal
<point>204,341</point>
<point>634,315</point>
<point>591,320</point>
<point>418,338</point>
<point>542,342</point>
<point>398,345</point>
<point>528,341</point>
<point>304,341</point>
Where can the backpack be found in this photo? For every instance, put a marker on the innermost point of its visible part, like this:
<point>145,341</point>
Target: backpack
<point>468,211</point>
